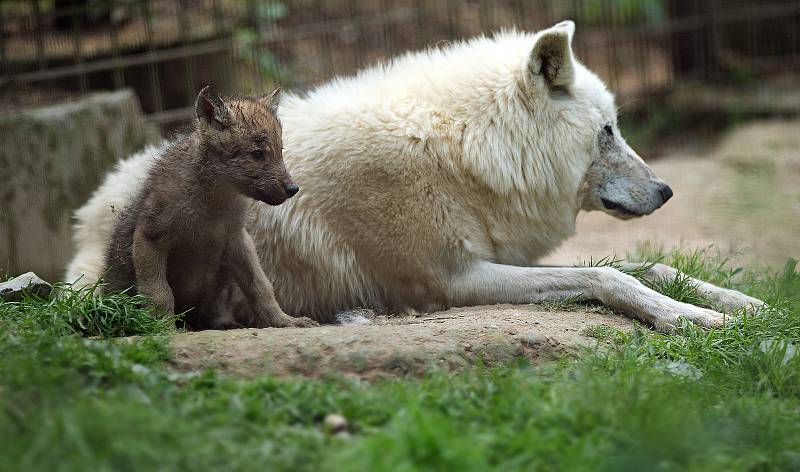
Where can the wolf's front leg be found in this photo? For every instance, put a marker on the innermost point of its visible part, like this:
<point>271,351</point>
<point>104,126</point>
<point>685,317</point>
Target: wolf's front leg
<point>486,283</point>
<point>150,265</point>
<point>722,298</point>
<point>243,264</point>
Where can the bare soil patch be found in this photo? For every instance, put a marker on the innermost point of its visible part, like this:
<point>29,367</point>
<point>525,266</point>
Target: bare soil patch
<point>397,346</point>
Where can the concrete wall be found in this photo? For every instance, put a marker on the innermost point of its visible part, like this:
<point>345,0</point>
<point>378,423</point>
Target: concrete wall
<point>51,159</point>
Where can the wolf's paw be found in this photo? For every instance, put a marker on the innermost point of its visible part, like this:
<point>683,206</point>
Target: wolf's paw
<point>731,301</point>
<point>670,313</point>
<point>704,317</point>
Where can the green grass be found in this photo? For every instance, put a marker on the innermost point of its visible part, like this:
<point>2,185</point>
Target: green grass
<point>87,312</point>
<point>725,399</point>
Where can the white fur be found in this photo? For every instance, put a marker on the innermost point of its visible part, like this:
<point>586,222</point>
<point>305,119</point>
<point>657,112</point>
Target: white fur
<point>425,180</point>
<point>94,222</point>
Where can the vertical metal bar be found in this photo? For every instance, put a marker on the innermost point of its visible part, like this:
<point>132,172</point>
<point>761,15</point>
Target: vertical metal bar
<point>358,53</point>
<point>451,19</point>
<point>189,83</point>
<point>611,50</point>
<point>642,56</point>
<point>712,38</point>
<point>38,31</point>
<point>3,56</point>
<point>519,12</point>
<point>324,42</point>
<point>795,38</point>
<point>255,46</point>
<point>119,76</point>
<point>388,28</point>
<point>155,81</point>
<point>217,17</point>
<point>421,33</point>
<point>76,41</point>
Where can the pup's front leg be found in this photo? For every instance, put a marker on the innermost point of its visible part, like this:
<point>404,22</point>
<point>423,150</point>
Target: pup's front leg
<point>250,277</point>
<point>150,264</point>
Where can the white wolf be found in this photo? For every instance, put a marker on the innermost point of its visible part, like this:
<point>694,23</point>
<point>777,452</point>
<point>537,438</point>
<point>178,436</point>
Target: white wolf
<point>438,180</point>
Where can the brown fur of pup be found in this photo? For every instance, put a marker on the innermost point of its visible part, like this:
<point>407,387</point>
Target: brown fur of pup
<point>182,241</point>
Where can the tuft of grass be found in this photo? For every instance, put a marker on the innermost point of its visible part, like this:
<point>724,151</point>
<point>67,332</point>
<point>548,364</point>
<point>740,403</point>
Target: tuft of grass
<point>701,263</point>
<point>600,332</point>
<point>682,288</point>
<point>565,304</point>
<point>88,312</point>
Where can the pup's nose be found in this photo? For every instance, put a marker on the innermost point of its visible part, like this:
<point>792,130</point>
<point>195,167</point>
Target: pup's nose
<point>666,193</point>
<point>292,189</point>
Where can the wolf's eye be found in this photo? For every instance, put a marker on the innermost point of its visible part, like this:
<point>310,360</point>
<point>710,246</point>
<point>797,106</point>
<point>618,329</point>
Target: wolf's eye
<point>257,154</point>
<point>609,130</point>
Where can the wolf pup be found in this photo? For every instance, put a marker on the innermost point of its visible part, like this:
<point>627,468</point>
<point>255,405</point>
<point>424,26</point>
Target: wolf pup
<point>182,240</point>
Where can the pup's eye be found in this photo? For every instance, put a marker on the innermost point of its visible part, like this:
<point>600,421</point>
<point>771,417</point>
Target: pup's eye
<point>257,154</point>
<point>609,130</point>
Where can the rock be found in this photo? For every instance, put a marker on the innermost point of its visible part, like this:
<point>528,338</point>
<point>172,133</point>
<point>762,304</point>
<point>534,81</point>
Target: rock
<point>354,317</point>
<point>12,290</point>
<point>335,424</point>
<point>53,157</point>
<point>532,338</point>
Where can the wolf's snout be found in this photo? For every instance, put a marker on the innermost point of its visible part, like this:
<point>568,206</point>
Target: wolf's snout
<point>666,193</point>
<point>291,189</point>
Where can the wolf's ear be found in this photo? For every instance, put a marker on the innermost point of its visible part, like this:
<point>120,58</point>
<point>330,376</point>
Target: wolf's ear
<point>211,110</point>
<point>271,100</point>
<point>551,63</point>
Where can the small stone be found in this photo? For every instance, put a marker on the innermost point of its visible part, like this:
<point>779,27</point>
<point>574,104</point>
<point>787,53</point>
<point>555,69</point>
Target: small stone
<point>353,317</point>
<point>336,424</point>
<point>12,290</point>
<point>532,338</point>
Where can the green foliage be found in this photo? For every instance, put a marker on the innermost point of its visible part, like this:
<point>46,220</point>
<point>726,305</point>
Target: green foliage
<point>252,51</point>
<point>630,12</point>
<point>721,399</point>
<point>87,312</point>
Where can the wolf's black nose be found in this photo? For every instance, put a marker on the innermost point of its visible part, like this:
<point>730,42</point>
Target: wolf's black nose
<point>292,189</point>
<point>666,193</point>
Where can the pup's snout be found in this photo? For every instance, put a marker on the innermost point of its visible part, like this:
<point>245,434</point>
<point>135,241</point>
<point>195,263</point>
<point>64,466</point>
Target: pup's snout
<point>292,189</point>
<point>666,193</point>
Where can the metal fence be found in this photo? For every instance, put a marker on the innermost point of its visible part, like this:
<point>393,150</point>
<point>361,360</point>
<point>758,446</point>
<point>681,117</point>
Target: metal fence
<point>167,49</point>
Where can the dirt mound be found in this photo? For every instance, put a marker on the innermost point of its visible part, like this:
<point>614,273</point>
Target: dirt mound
<point>398,345</point>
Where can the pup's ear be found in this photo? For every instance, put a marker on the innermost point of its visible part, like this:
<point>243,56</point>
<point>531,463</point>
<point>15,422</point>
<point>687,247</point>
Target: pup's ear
<point>551,63</point>
<point>271,100</point>
<point>211,110</point>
